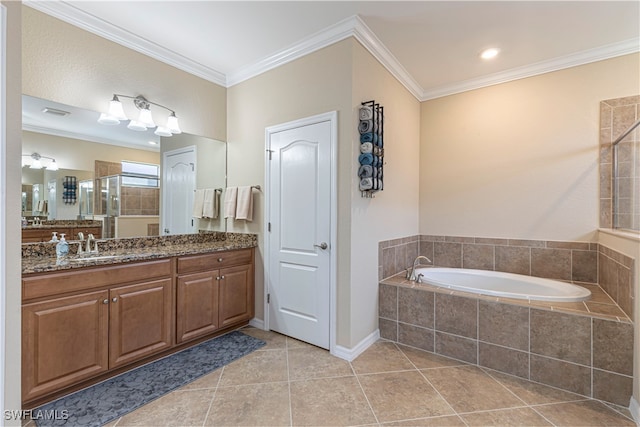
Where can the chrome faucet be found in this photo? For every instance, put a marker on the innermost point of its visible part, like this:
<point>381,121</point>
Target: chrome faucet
<point>411,272</point>
<point>90,239</point>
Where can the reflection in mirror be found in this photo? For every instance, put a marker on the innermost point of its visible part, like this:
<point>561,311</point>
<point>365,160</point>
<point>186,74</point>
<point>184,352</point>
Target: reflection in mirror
<point>91,183</point>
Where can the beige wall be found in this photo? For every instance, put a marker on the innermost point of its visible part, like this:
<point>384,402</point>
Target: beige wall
<point>79,154</point>
<point>520,159</point>
<point>66,64</point>
<point>11,177</point>
<point>314,84</point>
<point>338,77</point>
<point>393,212</point>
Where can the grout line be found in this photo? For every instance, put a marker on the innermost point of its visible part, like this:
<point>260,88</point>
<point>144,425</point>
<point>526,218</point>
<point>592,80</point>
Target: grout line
<point>213,397</point>
<point>286,350</point>
<point>375,417</point>
<point>430,383</point>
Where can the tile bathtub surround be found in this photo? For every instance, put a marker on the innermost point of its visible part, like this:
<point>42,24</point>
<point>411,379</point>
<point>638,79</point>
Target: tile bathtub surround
<point>616,277</point>
<point>578,352</point>
<point>570,261</point>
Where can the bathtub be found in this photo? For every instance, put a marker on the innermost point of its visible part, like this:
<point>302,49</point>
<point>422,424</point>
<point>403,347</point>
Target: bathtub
<point>507,285</point>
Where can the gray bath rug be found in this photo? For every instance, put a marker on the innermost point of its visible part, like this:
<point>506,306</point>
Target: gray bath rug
<point>115,397</point>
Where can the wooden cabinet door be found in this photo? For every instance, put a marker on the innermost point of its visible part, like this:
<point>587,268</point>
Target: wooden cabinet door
<point>64,341</point>
<point>236,295</point>
<point>197,305</point>
<point>139,321</point>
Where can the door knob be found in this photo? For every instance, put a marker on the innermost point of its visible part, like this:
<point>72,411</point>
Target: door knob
<point>322,246</point>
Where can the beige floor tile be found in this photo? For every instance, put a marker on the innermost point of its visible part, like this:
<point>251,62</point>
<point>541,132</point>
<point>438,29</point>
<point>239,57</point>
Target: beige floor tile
<point>329,402</point>
<point>447,421</point>
<point>257,367</point>
<point>424,359</point>
<point>506,417</point>
<point>183,408</point>
<point>314,362</point>
<point>294,343</point>
<point>383,356</point>
<point>469,389</point>
<point>398,396</point>
<point>533,393</point>
<point>585,413</point>
<point>274,340</point>
<point>207,381</point>
<point>251,405</point>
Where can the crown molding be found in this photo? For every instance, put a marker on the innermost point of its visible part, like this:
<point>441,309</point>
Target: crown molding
<point>349,27</point>
<point>74,16</point>
<point>579,58</point>
<point>87,137</point>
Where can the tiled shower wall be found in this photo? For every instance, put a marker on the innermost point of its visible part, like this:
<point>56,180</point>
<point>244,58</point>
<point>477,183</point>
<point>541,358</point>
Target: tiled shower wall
<point>616,115</point>
<point>572,261</point>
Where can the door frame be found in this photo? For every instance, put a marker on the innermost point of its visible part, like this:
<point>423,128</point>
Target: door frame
<point>331,117</point>
<point>163,183</point>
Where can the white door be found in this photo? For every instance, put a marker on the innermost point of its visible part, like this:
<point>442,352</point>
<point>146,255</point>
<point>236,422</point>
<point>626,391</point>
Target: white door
<point>178,188</point>
<point>299,243</point>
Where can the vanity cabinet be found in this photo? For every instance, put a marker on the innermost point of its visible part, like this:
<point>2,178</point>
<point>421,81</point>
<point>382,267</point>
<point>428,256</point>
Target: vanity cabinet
<point>80,323</point>
<point>214,291</point>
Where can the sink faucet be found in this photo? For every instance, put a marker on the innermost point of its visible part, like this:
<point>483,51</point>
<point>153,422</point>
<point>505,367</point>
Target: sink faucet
<point>411,272</point>
<point>90,239</point>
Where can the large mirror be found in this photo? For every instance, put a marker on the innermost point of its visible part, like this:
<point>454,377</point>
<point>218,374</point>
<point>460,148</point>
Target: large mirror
<point>112,174</point>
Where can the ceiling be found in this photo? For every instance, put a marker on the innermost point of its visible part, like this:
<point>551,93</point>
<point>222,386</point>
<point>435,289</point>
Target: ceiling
<point>432,47</point>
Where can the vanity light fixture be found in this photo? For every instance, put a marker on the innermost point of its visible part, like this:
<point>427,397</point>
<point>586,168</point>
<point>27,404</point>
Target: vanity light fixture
<point>37,164</point>
<point>144,119</point>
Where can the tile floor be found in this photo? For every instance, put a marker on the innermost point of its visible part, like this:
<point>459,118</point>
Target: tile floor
<point>288,382</point>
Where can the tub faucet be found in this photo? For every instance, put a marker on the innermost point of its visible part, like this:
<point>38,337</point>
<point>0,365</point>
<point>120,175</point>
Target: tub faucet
<point>411,272</point>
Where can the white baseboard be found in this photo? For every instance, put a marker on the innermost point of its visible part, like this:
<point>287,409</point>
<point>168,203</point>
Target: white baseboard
<point>257,323</point>
<point>634,408</point>
<point>350,354</point>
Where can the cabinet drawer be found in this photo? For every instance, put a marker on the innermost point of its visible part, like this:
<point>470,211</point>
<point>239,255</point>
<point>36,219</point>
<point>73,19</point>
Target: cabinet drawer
<point>195,263</point>
<point>91,278</point>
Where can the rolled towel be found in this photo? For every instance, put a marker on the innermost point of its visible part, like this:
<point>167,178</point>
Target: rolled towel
<point>365,158</point>
<point>378,151</point>
<point>369,137</point>
<point>377,140</point>
<point>365,171</point>
<point>366,113</point>
<point>366,184</point>
<point>366,147</point>
<point>365,126</point>
<point>376,161</point>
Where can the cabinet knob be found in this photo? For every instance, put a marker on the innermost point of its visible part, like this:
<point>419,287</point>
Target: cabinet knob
<point>105,301</point>
<point>220,260</point>
<point>114,299</point>
<point>217,277</point>
<point>222,277</point>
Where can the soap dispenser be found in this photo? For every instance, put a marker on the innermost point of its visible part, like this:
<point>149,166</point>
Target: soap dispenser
<point>62,248</point>
<point>54,237</point>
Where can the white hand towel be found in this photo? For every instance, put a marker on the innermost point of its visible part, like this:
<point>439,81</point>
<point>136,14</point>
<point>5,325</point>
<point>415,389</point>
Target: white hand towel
<point>198,200</point>
<point>230,201</point>
<point>245,204</point>
<point>207,206</point>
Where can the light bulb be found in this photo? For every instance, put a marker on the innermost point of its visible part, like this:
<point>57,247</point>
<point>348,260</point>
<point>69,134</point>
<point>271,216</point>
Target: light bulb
<point>145,118</point>
<point>172,124</point>
<point>107,119</point>
<point>53,166</point>
<point>136,125</point>
<point>116,110</point>
<point>36,164</point>
<point>163,131</point>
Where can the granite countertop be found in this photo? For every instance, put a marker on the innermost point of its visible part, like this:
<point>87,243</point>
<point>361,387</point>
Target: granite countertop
<point>53,224</point>
<point>41,257</point>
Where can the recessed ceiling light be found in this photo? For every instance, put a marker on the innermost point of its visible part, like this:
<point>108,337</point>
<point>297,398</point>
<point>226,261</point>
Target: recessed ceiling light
<point>55,111</point>
<point>153,143</point>
<point>490,53</point>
